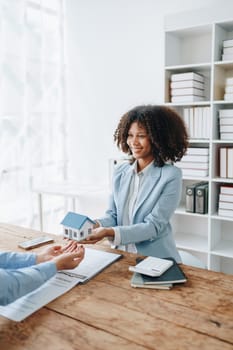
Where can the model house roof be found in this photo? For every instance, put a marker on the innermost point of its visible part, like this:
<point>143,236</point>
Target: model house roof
<point>75,220</point>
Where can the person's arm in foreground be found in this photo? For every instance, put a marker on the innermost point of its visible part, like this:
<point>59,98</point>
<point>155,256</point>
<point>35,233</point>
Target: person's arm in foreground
<point>20,281</point>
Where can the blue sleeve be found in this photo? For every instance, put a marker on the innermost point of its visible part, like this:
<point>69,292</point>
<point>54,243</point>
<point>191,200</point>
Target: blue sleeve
<point>16,283</point>
<point>9,260</point>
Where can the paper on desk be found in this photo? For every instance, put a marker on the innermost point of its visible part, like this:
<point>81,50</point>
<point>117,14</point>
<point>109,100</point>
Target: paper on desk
<point>26,305</point>
<point>94,262</point>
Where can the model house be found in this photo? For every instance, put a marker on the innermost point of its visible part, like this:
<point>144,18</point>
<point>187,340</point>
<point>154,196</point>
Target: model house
<point>77,226</point>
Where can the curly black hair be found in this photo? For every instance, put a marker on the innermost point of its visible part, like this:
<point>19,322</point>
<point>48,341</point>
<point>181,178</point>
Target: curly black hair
<point>166,130</point>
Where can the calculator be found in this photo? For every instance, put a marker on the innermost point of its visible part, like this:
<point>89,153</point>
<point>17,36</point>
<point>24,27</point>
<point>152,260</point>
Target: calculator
<point>152,266</point>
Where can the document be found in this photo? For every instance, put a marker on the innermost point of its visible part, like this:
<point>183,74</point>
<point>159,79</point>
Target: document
<point>94,262</point>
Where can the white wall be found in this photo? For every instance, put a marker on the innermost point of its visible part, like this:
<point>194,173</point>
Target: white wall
<point>115,61</point>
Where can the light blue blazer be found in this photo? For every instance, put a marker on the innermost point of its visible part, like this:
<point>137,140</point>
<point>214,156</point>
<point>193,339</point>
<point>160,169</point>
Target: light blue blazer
<point>158,198</point>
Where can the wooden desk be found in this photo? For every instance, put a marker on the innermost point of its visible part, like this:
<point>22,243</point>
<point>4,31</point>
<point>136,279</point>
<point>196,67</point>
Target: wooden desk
<point>106,313</point>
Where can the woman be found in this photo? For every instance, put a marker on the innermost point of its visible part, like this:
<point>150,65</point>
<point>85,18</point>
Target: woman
<point>147,190</point>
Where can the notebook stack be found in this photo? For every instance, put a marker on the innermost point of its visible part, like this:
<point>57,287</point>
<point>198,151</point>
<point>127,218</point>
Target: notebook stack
<point>228,95</point>
<point>227,53</point>
<point>195,162</point>
<point>172,276</point>
<point>226,124</point>
<point>187,87</point>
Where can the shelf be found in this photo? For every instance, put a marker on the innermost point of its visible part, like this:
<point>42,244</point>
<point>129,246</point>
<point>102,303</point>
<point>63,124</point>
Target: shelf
<point>199,103</point>
<point>186,67</point>
<point>224,248</point>
<point>182,211</point>
<point>222,218</point>
<point>191,242</point>
<point>222,180</point>
<point>199,49</point>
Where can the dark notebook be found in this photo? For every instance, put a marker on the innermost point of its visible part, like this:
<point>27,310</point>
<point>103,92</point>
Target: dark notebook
<point>173,275</point>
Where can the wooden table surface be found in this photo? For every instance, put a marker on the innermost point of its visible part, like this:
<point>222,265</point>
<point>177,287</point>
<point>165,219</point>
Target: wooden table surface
<point>107,313</point>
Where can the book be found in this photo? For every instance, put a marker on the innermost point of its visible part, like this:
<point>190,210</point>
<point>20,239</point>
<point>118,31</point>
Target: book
<point>226,128</point>
<point>225,205</point>
<point>225,212</point>
<point>226,190</point>
<point>226,198</point>
<point>173,275</point>
<point>229,81</point>
<point>227,43</point>
<point>223,162</point>
<point>229,88</point>
<point>187,91</point>
<point>226,121</point>
<point>197,158</point>
<point>195,172</point>
<point>227,57</point>
<point>230,162</point>
<point>192,165</point>
<point>226,113</point>
<point>197,151</point>
<point>187,98</point>
<point>228,50</point>
<point>228,97</point>
<point>187,84</point>
<point>187,76</point>
<point>226,136</point>
<point>137,281</point>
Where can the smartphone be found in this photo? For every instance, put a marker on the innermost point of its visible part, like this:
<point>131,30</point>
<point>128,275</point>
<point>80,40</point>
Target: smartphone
<point>35,242</point>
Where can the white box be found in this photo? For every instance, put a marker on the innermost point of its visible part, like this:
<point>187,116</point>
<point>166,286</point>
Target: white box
<point>226,121</point>
<point>187,76</point>
<point>226,128</point>
<point>225,113</point>
<point>228,43</point>
<point>187,98</point>
<point>229,81</point>
<point>187,84</point>
<point>187,91</point>
<point>227,57</point>
<point>226,136</point>
<point>228,97</point>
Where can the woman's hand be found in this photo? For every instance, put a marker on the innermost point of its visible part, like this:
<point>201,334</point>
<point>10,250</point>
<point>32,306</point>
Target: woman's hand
<point>70,260</point>
<point>50,252</point>
<point>98,234</point>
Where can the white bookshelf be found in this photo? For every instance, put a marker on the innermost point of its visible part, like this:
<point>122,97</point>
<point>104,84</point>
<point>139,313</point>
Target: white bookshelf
<point>198,48</point>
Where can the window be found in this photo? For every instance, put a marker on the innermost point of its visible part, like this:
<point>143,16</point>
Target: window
<point>32,104</point>
<point>66,232</point>
<point>81,234</point>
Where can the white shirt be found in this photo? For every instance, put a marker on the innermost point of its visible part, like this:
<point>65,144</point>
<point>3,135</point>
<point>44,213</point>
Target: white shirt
<point>134,190</point>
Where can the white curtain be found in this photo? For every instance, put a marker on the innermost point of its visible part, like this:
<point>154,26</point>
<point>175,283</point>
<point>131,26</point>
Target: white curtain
<point>32,104</point>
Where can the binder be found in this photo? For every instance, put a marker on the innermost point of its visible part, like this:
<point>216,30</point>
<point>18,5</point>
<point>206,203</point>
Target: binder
<point>201,199</point>
<point>190,198</point>
<point>197,203</point>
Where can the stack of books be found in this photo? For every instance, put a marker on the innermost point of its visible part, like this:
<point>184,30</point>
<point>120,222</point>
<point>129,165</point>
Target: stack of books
<point>187,87</point>
<point>195,162</point>
<point>226,124</point>
<point>227,52</point>
<point>228,96</point>
<point>197,121</point>
<point>226,201</point>
<point>172,276</point>
<point>226,162</point>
